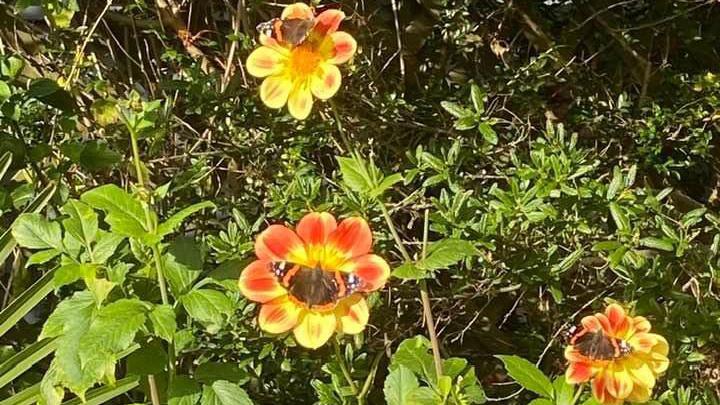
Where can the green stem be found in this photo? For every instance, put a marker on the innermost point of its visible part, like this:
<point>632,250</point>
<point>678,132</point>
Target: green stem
<point>157,257</point>
<point>344,368</point>
<point>369,380</point>
<point>424,294</point>
<point>577,395</point>
<point>340,128</point>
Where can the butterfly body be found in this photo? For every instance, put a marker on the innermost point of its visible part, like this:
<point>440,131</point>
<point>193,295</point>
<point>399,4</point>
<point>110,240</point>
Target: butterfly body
<point>293,31</point>
<point>314,287</point>
<point>597,345</point>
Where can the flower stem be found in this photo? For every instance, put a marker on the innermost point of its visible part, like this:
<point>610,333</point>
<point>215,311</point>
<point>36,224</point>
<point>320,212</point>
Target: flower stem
<point>344,367</point>
<point>157,257</point>
<point>340,128</point>
<point>577,394</point>
<point>424,295</point>
<point>370,378</point>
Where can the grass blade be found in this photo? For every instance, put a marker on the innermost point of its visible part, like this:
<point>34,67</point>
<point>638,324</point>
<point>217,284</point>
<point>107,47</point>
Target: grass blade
<point>5,162</point>
<point>19,363</point>
<point>102,395</point>
<point>25,397</point>
<point>25,302</point>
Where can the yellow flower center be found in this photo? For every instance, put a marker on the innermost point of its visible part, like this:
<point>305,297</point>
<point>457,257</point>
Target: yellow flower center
<point>304,60</point>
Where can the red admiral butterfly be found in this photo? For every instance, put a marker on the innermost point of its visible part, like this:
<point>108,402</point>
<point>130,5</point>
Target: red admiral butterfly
<point>293,31</point>
<point>597,345</point>
<point>314,287</point>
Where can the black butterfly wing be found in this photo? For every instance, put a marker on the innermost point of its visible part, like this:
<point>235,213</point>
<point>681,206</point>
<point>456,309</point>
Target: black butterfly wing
<point>314,287</point>
<point>295,30</point>
<point>596,345</point>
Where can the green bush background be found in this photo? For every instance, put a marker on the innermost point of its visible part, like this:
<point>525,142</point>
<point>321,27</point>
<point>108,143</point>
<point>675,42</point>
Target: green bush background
<point>573,144</point>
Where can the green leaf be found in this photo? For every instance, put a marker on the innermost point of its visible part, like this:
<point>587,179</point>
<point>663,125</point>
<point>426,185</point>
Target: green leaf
<point>454,366</point>
<point>7,242</point>
<point>355,174</point>
<point>42,256</point>
<point>82,221</point>
<point>564,392</point>
<point>606,245</point>
<point>5,91</point>
<point>73,272</point>
<point>224,393</point>
<point>125,214</point>
<point>163,321</point>
<point>665,244</point>
<point>12,66</point>
<point>528,375</point>
<point>385,184</point>
<point>488,133</point>
<point>209,307</point>
<point>455,109</point>
<point>50,93</point>
<point>541,401</point>
<point>616,184</point>
<point>568,262</point>
<point>175,220</point>
<point>211,371</point>
<point>184,391</point>
<point>183,265</point>
<point>413,354</point>
<point>478,98</point>
<point>447,252</point>
<point>33,231</point>
<point>398,386</point>
<point>424,396</point>
<point>409,271</point>
<point>620,217</point>
<point>106,245</point>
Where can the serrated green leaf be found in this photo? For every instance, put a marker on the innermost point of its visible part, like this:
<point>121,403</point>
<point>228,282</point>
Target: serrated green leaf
<point>184,391</point>
<point>224,393</point>
<point>355,174</point>
<point>124,213</point>
<point>82,221</point>
<point>447,252</point>
<point>209,307</point>
<point>163,321</point>
<point>33,231</point>
<point>42,256</point>
<point>409,271</point>
<point>398,386</point>
<point>172,223</point>
<point>528,375</point>
<point>385,184</point>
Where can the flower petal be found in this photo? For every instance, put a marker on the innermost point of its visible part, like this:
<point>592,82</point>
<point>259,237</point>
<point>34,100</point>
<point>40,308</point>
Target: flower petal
<point>279,315</point>
<point>352,314</point>
<point>315,227</point>
<point>258,284</point>
<point>265,61</point>
<point>328,22</point>
<point>640,394</point>
<point>640,371</point>
<point>326,82</point>
<point>352,237</point>
<point>591,323</point>
<point>300,101</point>
<point>373,270</point>
<point>297,10</point>
<point>315,328</point>
<point>618,382</point>
<point>279,243</point>
<point>343,47</point>
<point>601,394</point>
<point>642,342</point>
<point>641,324</point>
<point>578,373</point>
<point>274,91</point>
<point>620,323</point>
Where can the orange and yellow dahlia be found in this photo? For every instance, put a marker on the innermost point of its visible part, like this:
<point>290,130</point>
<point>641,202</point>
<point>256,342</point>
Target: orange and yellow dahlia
<point>295,73</point>
<point>619,355</point>
<point>313,280</point>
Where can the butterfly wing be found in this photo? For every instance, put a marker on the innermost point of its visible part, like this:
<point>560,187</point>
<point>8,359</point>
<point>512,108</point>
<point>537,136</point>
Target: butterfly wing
<point>314,287</point>
<point>295,30</point>
<point>596,345</point>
